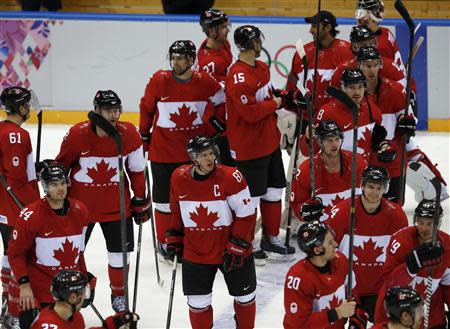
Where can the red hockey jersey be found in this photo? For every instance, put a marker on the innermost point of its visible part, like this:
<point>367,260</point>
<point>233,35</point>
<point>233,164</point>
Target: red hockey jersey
<point>369,114</point>
<point>43,243</point>
<point>390,98</point>
<point>332,188</point>
<point>371,238</point>
<point>94,172</point>
<point>328,60</point>
<point>211,211</point>
<point>395,272</point>
<point>389,70</point>
<point>388,47</point>
<point>309,294</point>
<point>215,62</point>
<point>17,167</point>
<point>49,319</point>
<point>251,116</point>
<point>175,111</point>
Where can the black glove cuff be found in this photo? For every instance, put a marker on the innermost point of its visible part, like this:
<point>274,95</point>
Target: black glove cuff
<point>239,242</point>
<point>146,137</point>
<point>23,280</point>
<point>332,316</point>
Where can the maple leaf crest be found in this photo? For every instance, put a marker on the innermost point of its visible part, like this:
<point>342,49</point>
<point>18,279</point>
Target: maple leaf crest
<point>184,118</point>
<point>334,302</point>
<point>365,140</point>
<point>102,173</point>
<point>333,202</point>
<point>67,254</point>
<point>368,252</point>
<point>421,287</point>
<point>202,218</point>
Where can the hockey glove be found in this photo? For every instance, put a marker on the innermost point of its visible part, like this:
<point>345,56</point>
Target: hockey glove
<point>175,246</point>
<point>146,139</point>
<point>92,282</point>
<point>120,319</point>
<point>379,134</point>
<point>218,125</point>
<point>236,252</point>
<point>387,152</point>
<point>291,100</point>
<point>140,209</point>
<point>406,125</point>
<point>359,319</point>
<point>424,256</point>
<point>311,210</point>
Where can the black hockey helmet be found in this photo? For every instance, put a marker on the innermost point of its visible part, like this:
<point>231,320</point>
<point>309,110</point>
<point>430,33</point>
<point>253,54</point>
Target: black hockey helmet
<point>401,299</point>
<point>375,174</point>
<point>353,76</point>
<point>368,54</point>
<point>327,128</point>
<point>67,282</point>
<point>52,171</point>
<point>311,235</point>
<point>427,209</point>
<point>246,35</point>
<point>183,47</point>
<point>13,97</point>
<point>361,33</point>
<point>212,18</point>
<point>106,99</point>
<point>198,144</point>
<point>375,8</point>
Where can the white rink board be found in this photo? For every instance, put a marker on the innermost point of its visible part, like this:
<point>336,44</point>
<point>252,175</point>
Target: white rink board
<point>153,300</point>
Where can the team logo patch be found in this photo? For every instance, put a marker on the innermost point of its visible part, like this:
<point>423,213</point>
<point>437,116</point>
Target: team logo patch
<point>244,99</point>
<point>15,161</point>
<point>293,308</point>
<point>14,235</point>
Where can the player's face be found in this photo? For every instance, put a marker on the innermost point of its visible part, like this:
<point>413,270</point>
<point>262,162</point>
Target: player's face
<point>180,63</point>
<point>206,160</point>
<point>373,192</point>
<point>77,299</point>
<point>418,317</point>
<point>57,190</point>
<point>366,20</point>
<point>370,69</point>
<point>323,31</point>
<point>355,91</point>
<point>329,246</point>
<point>220,32</point>
<point>257,46</point>
<point>331,145</point>
<point>111,114</point>
<point>424,229</point>
<point>25,110</point>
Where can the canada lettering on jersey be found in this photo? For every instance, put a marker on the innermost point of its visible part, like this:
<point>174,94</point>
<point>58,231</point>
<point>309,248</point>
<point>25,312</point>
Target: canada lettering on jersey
<point>180,115</point>
<point>205,215</point>
<point>369,251</point>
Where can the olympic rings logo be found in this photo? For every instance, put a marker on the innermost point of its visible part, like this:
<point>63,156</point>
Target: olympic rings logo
<point>279,66</point>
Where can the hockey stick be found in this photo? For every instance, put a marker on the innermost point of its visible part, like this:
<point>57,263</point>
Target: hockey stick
<point>298,128</point>
<point>341,96</point>
<point>38,109</point>
<point>429,291</point>
<point>405,15</point>
<point>109,129</point>
<point>172,291</point>
<point>10,191</point>
<point>96,312</point>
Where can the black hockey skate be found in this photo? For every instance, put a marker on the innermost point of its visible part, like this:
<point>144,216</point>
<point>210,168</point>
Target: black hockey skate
<point>274,244</point>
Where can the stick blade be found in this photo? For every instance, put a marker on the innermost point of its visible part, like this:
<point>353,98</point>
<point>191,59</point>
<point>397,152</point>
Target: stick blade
<point>300,48</point>
<point>34,103</point>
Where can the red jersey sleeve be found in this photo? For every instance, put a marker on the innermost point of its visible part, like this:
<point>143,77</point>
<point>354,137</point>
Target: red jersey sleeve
<point>300,190</point>
<point>176,219</point>
<point>22,240</point>
<point>245,103</point>
<point>240,202</point>
<point>339,219</point>
<point>135,162</point>
<point>67,154</point>
<point>148,105</point>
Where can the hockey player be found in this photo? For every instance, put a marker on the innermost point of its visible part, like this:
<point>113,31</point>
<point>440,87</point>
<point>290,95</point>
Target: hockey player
<point>251,118</point>
<point>17,168</point>
<point>370,134</point>
<point>91,157</point>
<point>47,238</point>
<point>212,228</point>
<point>332,169</point>
<point>214,56</point>
<point>70,289</point>
<point>370,13</point>
<point>174,106</point>
<point>360,37</point>
<point>333,51</point>
<point>411,257</point>
<point>376,219</point>
<point>314,290</point>
<point>404,308</point>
